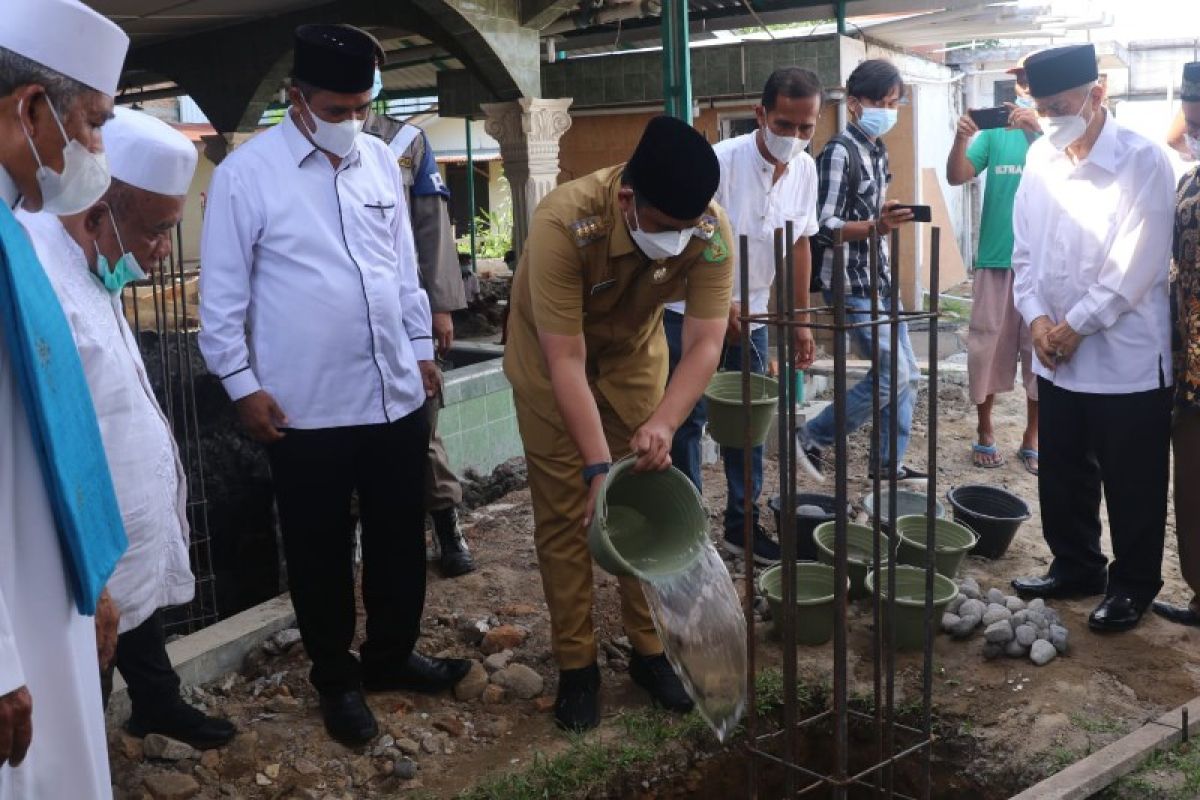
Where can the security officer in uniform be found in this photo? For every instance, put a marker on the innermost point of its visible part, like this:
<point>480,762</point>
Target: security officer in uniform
<point>587,360</point>
<point>428,197</point>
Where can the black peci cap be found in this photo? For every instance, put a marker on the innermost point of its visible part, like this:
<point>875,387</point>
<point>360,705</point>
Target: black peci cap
<point>337,58</point>
<point>1061,68</point>
<point>1190,93</point>
<point>674,168</point>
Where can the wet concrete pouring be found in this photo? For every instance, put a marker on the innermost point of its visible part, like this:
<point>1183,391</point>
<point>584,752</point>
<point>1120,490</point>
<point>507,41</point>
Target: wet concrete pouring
<point>1003,723</point>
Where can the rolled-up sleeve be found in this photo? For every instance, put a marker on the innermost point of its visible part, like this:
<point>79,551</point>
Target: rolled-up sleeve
<point>1140,253</point>
<point>11,675</point>
<point>1025,290</point>
<point>414,303</point>
<point>232,224</point>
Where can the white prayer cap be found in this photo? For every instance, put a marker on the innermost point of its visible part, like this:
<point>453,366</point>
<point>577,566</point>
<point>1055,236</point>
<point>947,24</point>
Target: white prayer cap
<point>146,152</point>
<point>67,37</point>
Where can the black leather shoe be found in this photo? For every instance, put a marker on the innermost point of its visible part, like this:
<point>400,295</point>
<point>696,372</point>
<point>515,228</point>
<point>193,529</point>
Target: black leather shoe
<point>1182,615</point>
<point>183,723</point>
<point>348,718</point>
<point>577,706</point>
<point>454,558</point>
<point>421,674</point>
<point>1050,587</point>
<point>656,676</point>
<point>1116,613</point>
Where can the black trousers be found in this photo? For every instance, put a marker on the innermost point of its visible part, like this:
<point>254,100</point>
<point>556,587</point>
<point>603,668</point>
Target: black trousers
<point>144,664</point>
<point>1118,442</point>
<point>315,473</point>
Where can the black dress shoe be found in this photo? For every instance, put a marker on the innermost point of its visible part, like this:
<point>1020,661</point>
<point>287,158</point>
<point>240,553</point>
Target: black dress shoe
<point>1116,613</point>
<point>577,706</point>
<point>348,718</point>
<point>656,676</point>
<point>420,674</point>
<point>1050,587</point>
<point>183,723</point>
<point>1182,615</point>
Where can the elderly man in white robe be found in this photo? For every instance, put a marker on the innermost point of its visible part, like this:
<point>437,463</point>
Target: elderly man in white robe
<point>89,258</point>
<point>60,527</point>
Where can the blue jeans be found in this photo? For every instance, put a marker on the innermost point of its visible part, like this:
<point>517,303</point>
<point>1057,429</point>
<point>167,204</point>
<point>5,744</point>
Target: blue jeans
<point>858,401</point>
<point>685,449</point>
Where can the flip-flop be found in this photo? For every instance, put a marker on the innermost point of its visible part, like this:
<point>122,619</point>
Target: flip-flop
<point>989,450</point>
<point>1028,455</point>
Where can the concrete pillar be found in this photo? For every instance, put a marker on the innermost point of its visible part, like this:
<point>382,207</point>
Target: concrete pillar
<point>528,131</point>
<point>219,145</point>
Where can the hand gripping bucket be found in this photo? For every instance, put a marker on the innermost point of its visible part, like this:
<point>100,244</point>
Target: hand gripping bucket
<point>647,524</point>
<point>728,419</point>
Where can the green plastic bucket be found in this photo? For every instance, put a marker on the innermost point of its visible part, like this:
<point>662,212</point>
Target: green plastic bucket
<point>814,600</point>
<point>951,543</point>
<point>909,608</point>
<point>647,524</point>
<point>728,419</point>
<point>860,551</point>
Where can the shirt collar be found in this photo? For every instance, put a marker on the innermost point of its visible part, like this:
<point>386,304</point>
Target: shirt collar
<point>1104,151</point>
<point>300,146</point>
<point>9,192</point>
<point>760,162</point>
<point>857,134</point>
<point>620,243</point>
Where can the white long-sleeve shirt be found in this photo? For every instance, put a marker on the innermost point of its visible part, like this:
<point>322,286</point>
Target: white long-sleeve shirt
<point>756,206</point>
<point>308,282</point>
<point>155,571</point>
<point>1093,248</point>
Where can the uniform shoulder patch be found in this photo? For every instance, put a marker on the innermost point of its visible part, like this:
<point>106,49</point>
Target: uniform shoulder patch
<point>588,229</point>
<point>707,227</point>
<point>717,250</point>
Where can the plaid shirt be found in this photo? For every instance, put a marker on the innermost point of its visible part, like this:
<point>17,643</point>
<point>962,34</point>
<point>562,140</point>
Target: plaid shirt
<point>837,207</point>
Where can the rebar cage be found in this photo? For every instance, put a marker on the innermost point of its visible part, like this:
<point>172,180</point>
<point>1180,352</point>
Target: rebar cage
<point>890,740</point>
<point>164,325</point>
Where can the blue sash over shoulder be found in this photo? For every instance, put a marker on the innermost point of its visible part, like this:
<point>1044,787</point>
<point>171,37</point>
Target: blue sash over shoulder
<point>61,417</point>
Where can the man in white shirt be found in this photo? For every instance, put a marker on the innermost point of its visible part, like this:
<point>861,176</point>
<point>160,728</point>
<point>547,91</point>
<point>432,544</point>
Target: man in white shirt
<point>767,180</point>
<point>89,257</point>
<point>60,527</point>
<point>314,320</point>
<point>1092,227</point>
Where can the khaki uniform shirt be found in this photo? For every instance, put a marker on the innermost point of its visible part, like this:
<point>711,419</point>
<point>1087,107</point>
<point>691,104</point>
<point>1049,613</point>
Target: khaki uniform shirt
<point>581,273</point>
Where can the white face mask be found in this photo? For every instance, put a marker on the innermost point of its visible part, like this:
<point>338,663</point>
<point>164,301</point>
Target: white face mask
<point>657,246</point>
<point>84,178</point>
<point>1063,131</point>
<point>334,137</point>
<point>783,148</point>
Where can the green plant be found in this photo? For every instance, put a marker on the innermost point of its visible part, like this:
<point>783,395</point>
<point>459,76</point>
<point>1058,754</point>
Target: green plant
<point>493,234</point>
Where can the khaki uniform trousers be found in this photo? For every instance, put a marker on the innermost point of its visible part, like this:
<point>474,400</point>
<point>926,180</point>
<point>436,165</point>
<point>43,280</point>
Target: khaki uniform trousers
<point>1185,441</point>
<point>442,489</point>
<point>559,501</point>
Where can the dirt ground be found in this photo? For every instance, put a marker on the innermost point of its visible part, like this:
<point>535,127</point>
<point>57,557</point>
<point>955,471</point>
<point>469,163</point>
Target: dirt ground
<point>1022,722</point>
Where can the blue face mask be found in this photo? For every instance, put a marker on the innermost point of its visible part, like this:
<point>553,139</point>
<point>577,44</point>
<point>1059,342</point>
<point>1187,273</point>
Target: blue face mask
<point>875,122</point>
<point>1024,102</point>
<point>377,86</point>
<point>127,269</point>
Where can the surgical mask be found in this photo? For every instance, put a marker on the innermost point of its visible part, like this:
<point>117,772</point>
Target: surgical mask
<point>1062,131</point>
<point>665,244</point>
<point>377,86</point>
<point>875,122</point>
<point>334,137</point>
<point>84,178</point>
<point>1024,102</point>
<point>1193,144</point>
<point>127,270</point>
<point>783,148</point>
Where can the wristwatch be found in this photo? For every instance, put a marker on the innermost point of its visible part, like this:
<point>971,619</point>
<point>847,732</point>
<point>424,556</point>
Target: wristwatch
<point>592,470</point>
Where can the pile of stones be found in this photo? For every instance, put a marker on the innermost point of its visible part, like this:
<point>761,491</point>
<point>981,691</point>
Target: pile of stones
<point>1010,626</point>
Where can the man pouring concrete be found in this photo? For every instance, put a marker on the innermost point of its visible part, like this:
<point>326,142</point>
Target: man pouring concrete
<point>1092,228</point>
<point>60,527</point>
<point>89,258</point>
<point>587,360</point>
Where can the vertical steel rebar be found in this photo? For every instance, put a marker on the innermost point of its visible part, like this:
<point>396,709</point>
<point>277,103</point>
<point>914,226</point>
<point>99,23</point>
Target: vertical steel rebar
<point>787,517</point>
<point>892,467</point>
<point>930,512</point>
<point>840,501</point>
<point>877,505</point>
<point>748,533</point>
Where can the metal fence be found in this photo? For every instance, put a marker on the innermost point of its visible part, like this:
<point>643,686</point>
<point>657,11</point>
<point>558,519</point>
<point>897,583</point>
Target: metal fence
<point>163,318</point>
<point>871,770</point>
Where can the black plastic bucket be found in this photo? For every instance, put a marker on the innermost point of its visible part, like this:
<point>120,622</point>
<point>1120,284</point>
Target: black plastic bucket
<point>993,513</point>
<point>806,548</point>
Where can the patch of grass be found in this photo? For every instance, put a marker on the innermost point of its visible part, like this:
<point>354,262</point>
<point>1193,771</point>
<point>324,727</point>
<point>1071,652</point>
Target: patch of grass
<point>1180,766</point>
<point>1105,724</point>
<point>1060,758</point>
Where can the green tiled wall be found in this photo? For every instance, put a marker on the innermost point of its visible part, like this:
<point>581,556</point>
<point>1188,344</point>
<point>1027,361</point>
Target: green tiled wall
<point>479,424</point>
